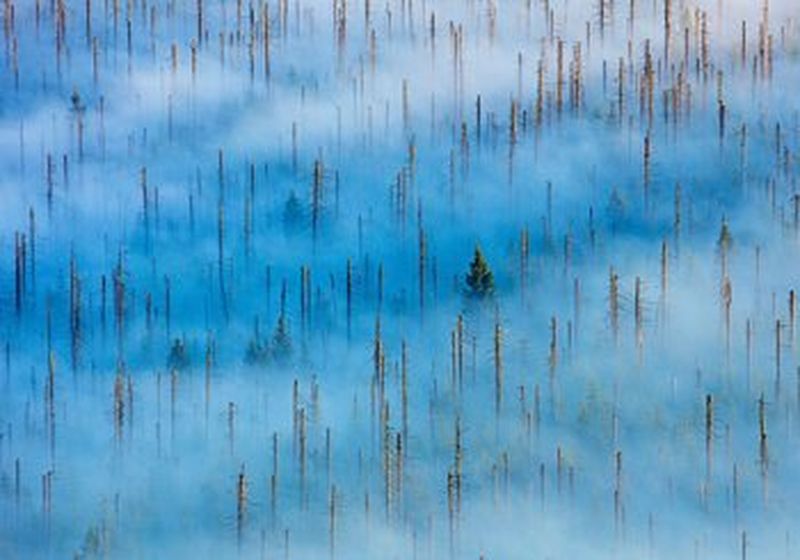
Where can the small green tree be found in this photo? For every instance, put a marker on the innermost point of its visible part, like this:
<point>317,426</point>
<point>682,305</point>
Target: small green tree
<point>480,279</point>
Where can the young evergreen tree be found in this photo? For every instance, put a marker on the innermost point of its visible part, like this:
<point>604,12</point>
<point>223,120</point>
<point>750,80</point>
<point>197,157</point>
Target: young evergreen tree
<point>480,279</point>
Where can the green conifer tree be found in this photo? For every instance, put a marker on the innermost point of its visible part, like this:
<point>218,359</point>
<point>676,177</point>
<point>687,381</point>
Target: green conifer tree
<point>480,279</point>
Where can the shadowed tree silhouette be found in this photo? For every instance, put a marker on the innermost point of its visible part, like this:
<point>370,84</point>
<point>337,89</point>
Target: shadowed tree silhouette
<point>725,239</point>
<point>257,353</point>
<point>293,215</point>
<point>178,358</point>
<point>281,340</point>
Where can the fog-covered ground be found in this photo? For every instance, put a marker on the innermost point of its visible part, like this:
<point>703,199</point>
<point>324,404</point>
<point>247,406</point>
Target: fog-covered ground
<point>236,312</point>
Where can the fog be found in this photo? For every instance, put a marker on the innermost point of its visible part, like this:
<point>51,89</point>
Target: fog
<point>406,279</point>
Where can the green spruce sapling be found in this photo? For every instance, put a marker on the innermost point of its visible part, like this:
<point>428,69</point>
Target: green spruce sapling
<point>480,279</point>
